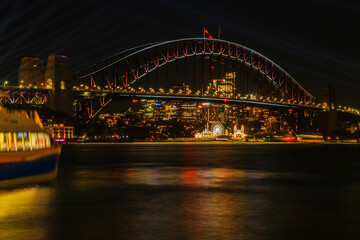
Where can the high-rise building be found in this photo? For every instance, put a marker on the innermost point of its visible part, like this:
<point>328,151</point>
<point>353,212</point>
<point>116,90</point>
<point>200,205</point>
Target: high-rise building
<point>224,87</point>
<point>58,75</point>
<point>31,72</point>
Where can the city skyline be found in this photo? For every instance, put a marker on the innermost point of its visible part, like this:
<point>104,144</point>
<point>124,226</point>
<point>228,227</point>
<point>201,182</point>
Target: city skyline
<point>306,40</point>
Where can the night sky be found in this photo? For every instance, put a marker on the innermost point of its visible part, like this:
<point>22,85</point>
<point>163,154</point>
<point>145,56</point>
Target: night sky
<point>317,42</point>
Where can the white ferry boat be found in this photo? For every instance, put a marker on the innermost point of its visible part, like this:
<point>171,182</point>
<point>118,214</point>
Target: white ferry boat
<point>27,155</point>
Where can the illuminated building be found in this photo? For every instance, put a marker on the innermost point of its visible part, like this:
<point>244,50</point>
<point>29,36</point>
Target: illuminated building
<point>60,131</point>
<point>148,106</point>
<point>189,111</point>
<point>31,72</point>
<point>223,87</point>
<point>174,109</point>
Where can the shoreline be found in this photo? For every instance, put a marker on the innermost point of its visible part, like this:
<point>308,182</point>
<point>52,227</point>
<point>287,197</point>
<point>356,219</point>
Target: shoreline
<point>208,142</point>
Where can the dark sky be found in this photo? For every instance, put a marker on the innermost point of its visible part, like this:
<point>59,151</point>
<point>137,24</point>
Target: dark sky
<point>317,41</point>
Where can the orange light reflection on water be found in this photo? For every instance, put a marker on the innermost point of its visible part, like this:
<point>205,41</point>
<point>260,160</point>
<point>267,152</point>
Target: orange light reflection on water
<point>20,211</point>
<point>186,176</point>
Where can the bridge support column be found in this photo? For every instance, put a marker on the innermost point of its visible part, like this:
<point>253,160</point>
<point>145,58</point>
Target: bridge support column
<point>58,75</point>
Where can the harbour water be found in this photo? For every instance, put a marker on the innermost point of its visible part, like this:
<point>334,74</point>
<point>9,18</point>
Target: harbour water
<point>192,191</point>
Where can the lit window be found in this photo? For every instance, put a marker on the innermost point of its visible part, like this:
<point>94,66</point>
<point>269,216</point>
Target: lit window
<point>49,82</point>
<point>62,85</point>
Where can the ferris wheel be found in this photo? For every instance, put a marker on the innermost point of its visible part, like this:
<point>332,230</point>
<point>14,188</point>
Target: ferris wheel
<point>217,129</point>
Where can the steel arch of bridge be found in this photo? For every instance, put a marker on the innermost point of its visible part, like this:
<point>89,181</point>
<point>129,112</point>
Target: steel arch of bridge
<point>132,65</point>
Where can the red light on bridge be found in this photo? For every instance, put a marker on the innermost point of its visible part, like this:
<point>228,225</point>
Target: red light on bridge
<point>134,100</point>
<point>210,36</point>
<point>212,67</point>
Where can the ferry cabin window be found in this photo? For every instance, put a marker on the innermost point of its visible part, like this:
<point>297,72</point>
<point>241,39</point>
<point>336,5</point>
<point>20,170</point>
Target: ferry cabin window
<point>34,141</point>
<point>41,140</point>
<point>24,141</point>
<point>12,144</point>
<point>7,140</point>
<point>27,143</point>
<point>3,142</point>
<point>47,140</point>
<point>19,141</point>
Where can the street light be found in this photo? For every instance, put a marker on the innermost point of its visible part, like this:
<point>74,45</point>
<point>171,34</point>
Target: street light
<point>6,83</point>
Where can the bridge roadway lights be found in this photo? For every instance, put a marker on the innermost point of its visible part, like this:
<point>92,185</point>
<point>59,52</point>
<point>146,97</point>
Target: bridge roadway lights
<point>109,93</point>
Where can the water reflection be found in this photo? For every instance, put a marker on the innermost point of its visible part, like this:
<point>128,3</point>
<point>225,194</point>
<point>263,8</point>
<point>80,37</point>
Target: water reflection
<point>190,192</point>
<point>190,176</point>
<point>161,176</point>
<point>22,212</point>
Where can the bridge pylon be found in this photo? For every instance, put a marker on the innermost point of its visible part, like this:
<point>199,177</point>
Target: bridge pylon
<point>59,76</point>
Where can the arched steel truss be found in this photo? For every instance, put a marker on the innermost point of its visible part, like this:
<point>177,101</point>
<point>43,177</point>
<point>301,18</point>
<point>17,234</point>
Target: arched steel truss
<point>130,66</point>
<point>23,96</point>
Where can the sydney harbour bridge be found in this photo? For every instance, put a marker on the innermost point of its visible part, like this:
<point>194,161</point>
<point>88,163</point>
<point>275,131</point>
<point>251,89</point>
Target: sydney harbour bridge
<point>191,69</point>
